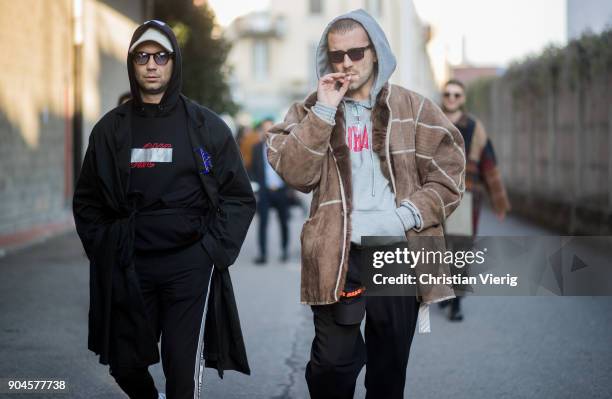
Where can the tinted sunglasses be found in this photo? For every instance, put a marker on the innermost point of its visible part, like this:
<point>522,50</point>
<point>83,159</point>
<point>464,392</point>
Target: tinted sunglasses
<point>454,95</point>
<point>160,58</point>
<point>355,54</point>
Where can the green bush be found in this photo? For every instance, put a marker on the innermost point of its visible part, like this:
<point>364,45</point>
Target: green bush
<point>204,73</point>
<point>572,66</point>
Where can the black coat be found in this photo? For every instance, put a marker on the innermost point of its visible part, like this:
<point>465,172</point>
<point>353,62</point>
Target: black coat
<point>105,223</point>
<point>104,216</point>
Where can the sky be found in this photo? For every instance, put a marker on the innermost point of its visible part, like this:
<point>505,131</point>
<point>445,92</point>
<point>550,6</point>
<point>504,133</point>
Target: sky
<point>495,32</point>
<point>227,10</point>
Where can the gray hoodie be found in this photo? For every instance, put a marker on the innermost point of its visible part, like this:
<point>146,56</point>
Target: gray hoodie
<point>374,210</point>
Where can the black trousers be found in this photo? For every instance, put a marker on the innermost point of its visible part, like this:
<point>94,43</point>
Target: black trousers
<point>273,199</point>
<point>339,351</point>
<point>174,289</point>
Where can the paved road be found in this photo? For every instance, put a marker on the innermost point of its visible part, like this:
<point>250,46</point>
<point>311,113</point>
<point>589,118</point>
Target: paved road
<point>519,347</point>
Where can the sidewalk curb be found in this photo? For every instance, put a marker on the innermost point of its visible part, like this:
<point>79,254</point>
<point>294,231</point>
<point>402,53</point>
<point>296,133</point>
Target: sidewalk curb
<point>11,243</point>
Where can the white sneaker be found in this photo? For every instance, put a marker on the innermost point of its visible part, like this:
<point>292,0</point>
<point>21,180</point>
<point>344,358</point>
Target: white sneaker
<point>162,396</point>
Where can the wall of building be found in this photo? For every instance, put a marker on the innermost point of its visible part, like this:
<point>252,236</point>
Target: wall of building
<point>37,100</point>
<point>35,112</point>
<point>107,29</point>
<point>550,120</point>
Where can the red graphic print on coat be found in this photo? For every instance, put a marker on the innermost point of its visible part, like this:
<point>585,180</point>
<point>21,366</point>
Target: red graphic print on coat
<point>357,140</point>
<point>150,154</point>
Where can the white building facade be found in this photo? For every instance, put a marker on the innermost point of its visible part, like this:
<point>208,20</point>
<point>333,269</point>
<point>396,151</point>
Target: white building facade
<point>273,53</point>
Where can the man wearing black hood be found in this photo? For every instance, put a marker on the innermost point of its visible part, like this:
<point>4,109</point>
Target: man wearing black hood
<point>162,207</point>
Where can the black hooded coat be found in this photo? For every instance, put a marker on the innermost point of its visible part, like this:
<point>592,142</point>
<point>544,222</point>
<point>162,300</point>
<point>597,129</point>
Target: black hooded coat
<point>105,220</point>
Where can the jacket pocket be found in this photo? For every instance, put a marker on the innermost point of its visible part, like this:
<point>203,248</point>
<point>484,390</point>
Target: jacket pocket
<point>310,236</point>
<point>376,224</point>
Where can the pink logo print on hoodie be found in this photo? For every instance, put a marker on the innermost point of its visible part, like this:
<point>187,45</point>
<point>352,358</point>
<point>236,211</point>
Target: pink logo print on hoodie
<point>357,140</point>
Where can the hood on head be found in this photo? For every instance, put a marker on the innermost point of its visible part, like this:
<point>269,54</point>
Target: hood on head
<point>174,85</point>
<point>386,59</point>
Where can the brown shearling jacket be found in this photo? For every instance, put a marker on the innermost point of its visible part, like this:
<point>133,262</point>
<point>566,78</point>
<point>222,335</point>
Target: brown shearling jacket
<point>421,153</point>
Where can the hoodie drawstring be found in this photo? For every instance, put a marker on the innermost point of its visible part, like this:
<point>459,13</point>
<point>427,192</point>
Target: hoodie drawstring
<point>357,115</point>
<point>372,168</point>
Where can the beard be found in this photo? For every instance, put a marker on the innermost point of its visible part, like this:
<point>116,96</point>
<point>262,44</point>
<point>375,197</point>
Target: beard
<point>356,86</point>
<point>151,88</point>
<point>154,90</point>
<point>451,110</point>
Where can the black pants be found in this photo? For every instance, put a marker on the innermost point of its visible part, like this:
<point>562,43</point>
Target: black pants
<point>273,199</point>
<point>339,352</point>
<point>174,289</point>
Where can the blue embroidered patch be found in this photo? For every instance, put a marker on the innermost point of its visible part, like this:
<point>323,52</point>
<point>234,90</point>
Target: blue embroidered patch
<point>207,165</point>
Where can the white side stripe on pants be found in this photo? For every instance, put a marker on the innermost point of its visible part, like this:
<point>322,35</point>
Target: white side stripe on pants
<point>199,358</point>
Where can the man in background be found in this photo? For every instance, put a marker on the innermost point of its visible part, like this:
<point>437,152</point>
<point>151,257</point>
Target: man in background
<point>482,175</point>
<point>272,193</point>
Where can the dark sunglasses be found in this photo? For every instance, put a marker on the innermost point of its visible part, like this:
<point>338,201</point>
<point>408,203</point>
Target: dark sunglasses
<point>355,54</point>
<point>455,95</point>
<point>160,58</point>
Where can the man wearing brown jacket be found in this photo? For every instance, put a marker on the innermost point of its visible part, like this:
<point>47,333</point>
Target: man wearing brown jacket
<point>483,177</point>
<point>381,161</point>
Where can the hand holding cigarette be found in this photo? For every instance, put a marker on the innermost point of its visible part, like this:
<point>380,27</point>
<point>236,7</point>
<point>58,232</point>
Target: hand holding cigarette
<point>332,88</point>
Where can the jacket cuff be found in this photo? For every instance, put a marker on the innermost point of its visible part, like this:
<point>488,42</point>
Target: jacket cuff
<point>325,112</point>
<point>428,206</point>
<point>409,213</point>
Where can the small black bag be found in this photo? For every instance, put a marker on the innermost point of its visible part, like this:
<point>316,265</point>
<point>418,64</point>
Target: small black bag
<point>349,311</point>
